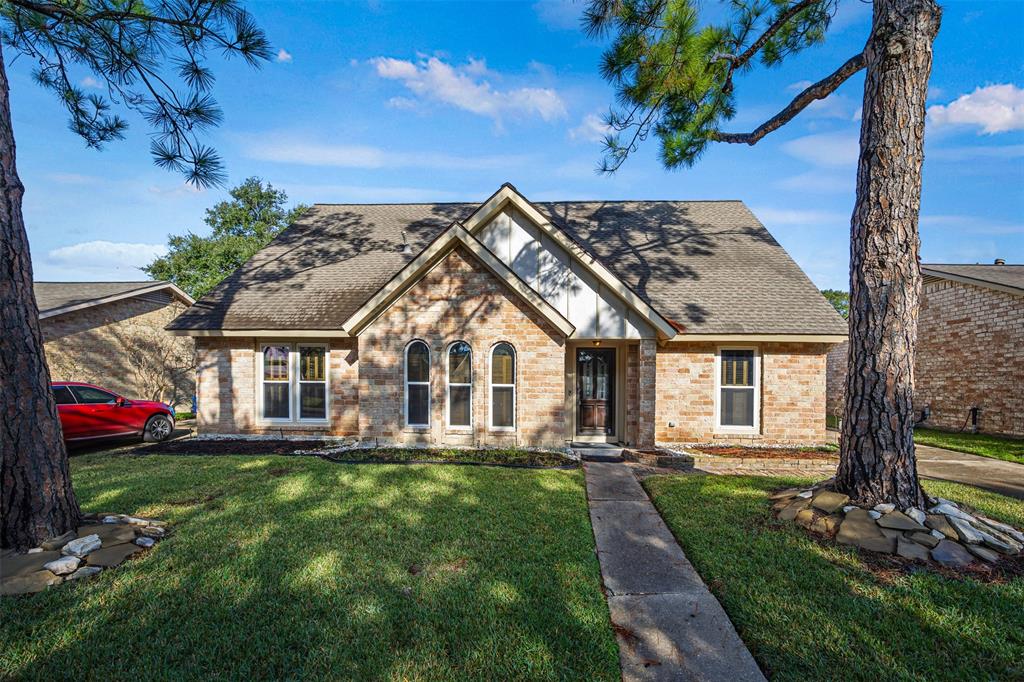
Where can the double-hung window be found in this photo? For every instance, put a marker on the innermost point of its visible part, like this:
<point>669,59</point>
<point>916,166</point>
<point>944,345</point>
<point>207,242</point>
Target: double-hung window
<point>293,381</point>
<point>417,385</point>
<point>503,387</point>
<point>738,390</point>
<point>460,384</point>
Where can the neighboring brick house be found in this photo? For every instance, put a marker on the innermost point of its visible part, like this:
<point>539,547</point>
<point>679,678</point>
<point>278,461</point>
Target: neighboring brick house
<point>970,349</point>
<point>112,334</point>
<point>515,323</point>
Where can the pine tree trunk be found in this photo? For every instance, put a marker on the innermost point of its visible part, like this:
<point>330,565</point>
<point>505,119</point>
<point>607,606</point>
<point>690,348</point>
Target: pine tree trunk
<point>877,462</point>
<point>36,499</point>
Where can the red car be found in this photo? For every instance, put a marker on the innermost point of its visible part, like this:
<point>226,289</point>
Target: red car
<point>88,411</point>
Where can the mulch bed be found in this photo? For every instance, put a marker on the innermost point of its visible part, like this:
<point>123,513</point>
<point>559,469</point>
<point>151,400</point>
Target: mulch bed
<point>243,446</point>
<point>767,453</point>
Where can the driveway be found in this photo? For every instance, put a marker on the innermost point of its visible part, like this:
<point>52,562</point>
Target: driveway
<point>996,475</point>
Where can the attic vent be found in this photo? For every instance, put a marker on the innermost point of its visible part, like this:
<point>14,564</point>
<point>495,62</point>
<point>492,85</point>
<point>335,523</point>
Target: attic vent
<point>1000,261</point>
<point>406,249</point>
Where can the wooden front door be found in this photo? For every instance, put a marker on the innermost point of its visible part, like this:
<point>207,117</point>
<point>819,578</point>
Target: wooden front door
<point>595,391</point>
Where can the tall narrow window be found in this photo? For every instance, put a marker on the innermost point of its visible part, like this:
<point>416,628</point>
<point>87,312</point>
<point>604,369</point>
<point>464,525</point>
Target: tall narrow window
<point>503,387</point>
<point>460,384</point>
<point>276,382</point>
<point>312,382</point>
<point>738,386</point>
<point>417,384</point>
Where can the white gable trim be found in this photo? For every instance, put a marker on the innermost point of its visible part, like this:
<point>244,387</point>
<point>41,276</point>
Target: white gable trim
<point>157,286</point>
<point>419,266</point>
<point>509,195</point>
<point>966,279</point>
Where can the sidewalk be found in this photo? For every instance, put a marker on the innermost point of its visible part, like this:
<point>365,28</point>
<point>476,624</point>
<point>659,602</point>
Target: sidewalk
<point>668,624</point>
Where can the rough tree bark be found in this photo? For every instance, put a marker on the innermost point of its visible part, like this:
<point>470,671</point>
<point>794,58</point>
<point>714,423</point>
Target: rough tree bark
<point>36,499</point>
<point>877,462</point>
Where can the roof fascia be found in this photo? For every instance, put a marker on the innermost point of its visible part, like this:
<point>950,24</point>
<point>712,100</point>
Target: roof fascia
<point>963,279</point>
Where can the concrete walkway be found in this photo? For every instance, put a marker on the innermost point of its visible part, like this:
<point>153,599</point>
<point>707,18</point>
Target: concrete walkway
<point>668,624</point>
<point>1006,478</point>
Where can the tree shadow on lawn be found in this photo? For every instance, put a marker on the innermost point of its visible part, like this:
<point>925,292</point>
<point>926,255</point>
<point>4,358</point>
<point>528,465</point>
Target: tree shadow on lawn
<point>279,568</point>
<point>814,611</point>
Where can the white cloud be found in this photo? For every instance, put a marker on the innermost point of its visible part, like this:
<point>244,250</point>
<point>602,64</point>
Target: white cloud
<point>282,150</point>
<point>831,150</point>
<point>591,129</point>
<point>364,193</point>
<point>101,258</point>
<point>796,216</point>
<point>182,189</point>
<point>402,103</point>
<point>970,224</point>
<point>818,183</point>
<point>560,14</point>
<point>284,56</point>
<point>993,108</point>
<point>90,82</point>
<point>465,87</point>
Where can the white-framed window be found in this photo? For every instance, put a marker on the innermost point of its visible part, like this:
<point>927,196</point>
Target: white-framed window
<point>417,385</point>
<point>502,406</point>
<point>293,382</point>
<point>460,385</point>
<point>737,390</point>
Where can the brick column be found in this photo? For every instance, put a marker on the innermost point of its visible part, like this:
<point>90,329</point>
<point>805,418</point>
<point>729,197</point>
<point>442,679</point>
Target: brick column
<point>646,389</point>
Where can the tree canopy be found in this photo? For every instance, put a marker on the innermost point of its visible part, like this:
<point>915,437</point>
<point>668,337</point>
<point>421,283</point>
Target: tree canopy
<point>255,214</point>
<point>840,300</point>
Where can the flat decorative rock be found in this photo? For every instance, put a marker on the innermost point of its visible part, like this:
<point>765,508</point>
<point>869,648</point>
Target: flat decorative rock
<point>806,495</point>
<point>24,564</point>
<point>926,539</point>
<point>63,565</point>
<point>938,522</point>
<point>826,525</point>
<point>145,542</point>
<point>858,528</point>
<point>1008,530</point>
<point>828,501</point>
<point>111,519</point>
<point>83,545</point>
<point>911,550</point>
<point>108,557</point>
<point>85,572</point>
<point>950,509</point>
<point>885,507</point>
<point>847,508</point>
<point>891,533</point>
<point>983,553</point>
<point>965,531</point>
<point>37,581</point>
<point>154,532</point>
<point>58,542</point>
<point>899,521</point>
<point>952,554</point>
<point>795,507</point>
<point>915,513</point>
<point>875,514</point>
<point>109,534</point>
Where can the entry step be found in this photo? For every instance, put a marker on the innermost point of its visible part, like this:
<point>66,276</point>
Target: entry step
<point>598,452</point>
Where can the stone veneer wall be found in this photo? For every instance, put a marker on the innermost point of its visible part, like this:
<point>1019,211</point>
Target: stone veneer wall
<point>460,300</point>
<point>227,385</point>
<point>792,394</point>
<point>970,352</point>
<point>122,346</point>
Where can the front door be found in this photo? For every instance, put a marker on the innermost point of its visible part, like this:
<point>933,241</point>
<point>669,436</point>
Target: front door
<point>595,391</point>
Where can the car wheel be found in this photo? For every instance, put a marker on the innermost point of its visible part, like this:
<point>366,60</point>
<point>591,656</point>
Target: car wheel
<point>158,428</point>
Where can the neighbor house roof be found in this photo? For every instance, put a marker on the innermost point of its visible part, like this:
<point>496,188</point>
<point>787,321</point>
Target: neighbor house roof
<point>1001,277</point>
<point>57,298</point>
<point>709,267</point>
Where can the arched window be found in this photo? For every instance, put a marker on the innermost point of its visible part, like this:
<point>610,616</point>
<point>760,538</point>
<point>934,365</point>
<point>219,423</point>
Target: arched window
<point>417,384</point>
<point>503,387</point>
<point>460,384</point>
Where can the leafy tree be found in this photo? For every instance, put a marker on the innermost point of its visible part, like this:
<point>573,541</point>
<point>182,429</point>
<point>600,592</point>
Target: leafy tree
<point>241,227</point>
<point>151,56</point>
<point>676,79</point>
<point>840,300</point>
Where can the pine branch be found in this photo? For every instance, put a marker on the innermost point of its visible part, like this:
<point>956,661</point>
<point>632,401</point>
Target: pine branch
<point>819,90</point>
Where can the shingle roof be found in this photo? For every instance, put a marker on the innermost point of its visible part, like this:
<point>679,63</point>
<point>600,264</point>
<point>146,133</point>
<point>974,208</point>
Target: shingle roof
<point>54,296</point>
<point>1011,276</point>
<point>709,266</point>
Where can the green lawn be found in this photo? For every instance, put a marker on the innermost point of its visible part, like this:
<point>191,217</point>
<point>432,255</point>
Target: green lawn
<point>296,568</point>
<point>996,447</point>
<point>810,612</point>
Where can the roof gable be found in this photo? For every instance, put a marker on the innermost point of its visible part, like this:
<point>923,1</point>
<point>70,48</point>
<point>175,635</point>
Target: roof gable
<point>58,298</point>
<point>1008,278</point>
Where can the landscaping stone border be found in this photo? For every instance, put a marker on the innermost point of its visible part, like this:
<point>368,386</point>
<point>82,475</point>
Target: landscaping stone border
<point>688,460</point>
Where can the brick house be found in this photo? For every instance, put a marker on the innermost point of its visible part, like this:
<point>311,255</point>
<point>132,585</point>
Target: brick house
<point>970,349</point>
<point>517,323</point>
<point>112,334</point>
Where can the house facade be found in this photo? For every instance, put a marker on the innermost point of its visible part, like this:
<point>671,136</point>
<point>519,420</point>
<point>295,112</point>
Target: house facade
<point>112,334</point>
<point>970,350</point>
<point>515,323</point>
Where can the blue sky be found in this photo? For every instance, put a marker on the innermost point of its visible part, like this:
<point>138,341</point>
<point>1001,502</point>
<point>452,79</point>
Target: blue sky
<point>433,101</point>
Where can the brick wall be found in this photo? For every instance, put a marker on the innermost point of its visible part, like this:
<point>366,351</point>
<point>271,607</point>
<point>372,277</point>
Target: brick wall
<point>461,300</point>
<point>835,379</point>
<point>792,394</point>
<point>228,382</point>
<point>632,393</point>
<point>122,346</point>
<point>970,352</point>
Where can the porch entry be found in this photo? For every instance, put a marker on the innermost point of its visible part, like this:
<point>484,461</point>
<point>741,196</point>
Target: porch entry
<point>595,391</point>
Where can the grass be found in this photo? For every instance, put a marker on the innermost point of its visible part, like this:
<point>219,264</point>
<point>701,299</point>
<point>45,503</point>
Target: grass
<point>297,568</point>
<point>178,416</point>
<point>809,611</point>
<point>996,447</point>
